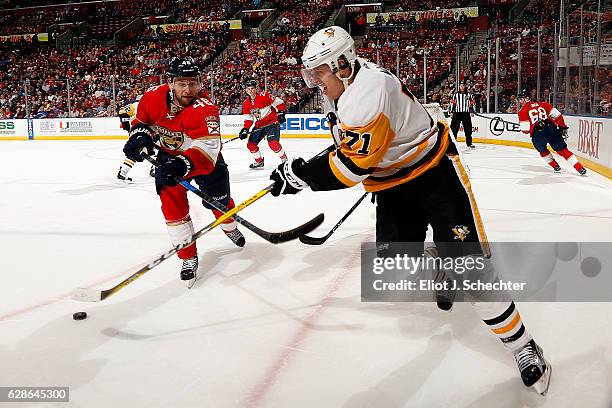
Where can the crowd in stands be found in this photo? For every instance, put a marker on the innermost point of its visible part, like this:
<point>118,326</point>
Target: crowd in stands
<point>96,76</point>
<point>100,79</point>
<point>404,5</point>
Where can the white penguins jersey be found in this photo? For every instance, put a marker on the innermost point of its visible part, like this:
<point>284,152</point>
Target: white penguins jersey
<point>384,137</point>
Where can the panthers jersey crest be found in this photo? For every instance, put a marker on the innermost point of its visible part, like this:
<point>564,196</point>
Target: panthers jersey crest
<point>169,139</point>
<point>256,112</point>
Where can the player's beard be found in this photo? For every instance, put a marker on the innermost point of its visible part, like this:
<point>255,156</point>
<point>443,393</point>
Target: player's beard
<point>182,102</point>
<point>185,101</point>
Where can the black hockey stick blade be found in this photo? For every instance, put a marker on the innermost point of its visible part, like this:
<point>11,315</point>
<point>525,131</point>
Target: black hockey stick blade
<point>308,240</point>
<point>297,232</point>
<point>305,239</point>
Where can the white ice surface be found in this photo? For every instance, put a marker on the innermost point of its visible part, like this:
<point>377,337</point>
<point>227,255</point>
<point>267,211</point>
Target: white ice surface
<point>271,326</point>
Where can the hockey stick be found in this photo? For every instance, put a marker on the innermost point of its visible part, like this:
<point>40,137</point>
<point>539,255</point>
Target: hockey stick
<point>238,137</point>
<point>305,239</point>
<point>96,295</point>
<point>274,238</point>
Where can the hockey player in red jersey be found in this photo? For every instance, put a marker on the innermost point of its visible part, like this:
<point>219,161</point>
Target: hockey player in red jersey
<point>186,128</point>
<point>265,114</point>
<point>546,126</point>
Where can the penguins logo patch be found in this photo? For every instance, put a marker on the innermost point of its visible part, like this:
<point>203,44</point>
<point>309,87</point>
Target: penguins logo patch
<point>461,232</point>
<point>330,32</point>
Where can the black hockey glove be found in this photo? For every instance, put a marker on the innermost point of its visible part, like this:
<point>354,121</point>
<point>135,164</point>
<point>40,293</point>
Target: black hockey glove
<point>244,133</point>
<point>281,117</point>
<point>563,132</point>
<point>173,167</point>
<point>541,124</point>
<point>140,138</point>
<point>285,179</point>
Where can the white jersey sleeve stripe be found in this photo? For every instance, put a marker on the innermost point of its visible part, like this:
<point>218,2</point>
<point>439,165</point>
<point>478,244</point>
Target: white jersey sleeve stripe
<point>208,147</point>
<point>525,125</point>
<point>554,113</point>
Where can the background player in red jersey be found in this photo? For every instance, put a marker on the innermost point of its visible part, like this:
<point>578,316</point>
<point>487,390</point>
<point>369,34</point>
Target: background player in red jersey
<point>546,126</point>
<point>266,113</point>
<point>186,127</point>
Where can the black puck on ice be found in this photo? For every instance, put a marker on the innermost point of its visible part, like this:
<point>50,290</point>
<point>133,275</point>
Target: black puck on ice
<point>79,316</point>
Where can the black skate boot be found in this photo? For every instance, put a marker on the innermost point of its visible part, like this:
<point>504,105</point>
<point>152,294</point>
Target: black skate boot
<point>236,237</point>
<point>444,297</point>
<point>557,168</point>
<point>257,165</point>
<point>123,177</point>
<point>535,370</point>
<point>189,271</point>
<point>582,171</point>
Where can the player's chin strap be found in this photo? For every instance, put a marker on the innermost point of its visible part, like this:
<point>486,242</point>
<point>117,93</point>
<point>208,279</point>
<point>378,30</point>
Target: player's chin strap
<point>355,66</point>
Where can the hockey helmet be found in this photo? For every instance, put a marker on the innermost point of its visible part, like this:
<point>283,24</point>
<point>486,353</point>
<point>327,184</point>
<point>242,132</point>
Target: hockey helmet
<point>250,83</point>
<point>326,47</point>
<point>524,94</point>
<point>183,67</point>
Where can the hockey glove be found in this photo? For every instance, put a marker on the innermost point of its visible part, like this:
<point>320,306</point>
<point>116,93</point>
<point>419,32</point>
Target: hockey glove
<point>285,179</point>
<point>174,167</point>
<point>140,138</point>
<point>281,117</point>
<point>541,125</point>
<point>244,133</point>
<point>563,132</point>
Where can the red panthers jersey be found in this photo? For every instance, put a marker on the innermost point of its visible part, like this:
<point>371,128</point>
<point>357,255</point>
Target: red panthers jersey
<point>192,132</point>
<point>532,112</point>
<point>262,110</point>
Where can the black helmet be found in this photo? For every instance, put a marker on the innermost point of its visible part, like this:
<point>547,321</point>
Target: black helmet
<point>183,67</point>
<point>524,94</point>
<point>250,82</point>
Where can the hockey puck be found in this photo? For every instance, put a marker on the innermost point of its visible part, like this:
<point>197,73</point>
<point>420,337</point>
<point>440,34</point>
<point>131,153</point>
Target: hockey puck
<point>79,316</point>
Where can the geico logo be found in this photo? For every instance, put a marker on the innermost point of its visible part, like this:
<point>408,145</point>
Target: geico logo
<point>313,123</point>
<point>7,125</point>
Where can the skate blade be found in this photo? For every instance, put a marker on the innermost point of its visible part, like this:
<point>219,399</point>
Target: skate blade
<point>189,283</point>
<point>123,182</point>
<point>542,385</point>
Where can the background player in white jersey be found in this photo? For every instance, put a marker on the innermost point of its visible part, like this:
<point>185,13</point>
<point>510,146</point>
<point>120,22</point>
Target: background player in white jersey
<point>264,115</point>
<point>126,115</point>
<point>387,141</point>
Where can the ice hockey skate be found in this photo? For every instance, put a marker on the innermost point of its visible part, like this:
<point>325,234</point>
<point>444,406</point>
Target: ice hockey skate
<point>257,165</point>
<point>535,369</point>
<point>445,297</point>
<point>189,271</point>
<point>123,177</point>
<point>236,236</point>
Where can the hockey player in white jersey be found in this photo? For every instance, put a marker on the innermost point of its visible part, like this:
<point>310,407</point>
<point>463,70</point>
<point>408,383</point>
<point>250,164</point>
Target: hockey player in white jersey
<point>126,115</point>
<point>386,140</point>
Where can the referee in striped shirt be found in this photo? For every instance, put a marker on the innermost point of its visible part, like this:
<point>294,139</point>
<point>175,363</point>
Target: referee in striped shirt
<point>462,108</point>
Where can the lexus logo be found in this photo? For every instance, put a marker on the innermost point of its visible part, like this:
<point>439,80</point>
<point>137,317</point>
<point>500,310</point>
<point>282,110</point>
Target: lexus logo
<point>498,125</point>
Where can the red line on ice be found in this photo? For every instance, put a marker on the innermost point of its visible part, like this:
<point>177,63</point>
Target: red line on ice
<point>259,391</point>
